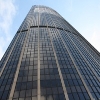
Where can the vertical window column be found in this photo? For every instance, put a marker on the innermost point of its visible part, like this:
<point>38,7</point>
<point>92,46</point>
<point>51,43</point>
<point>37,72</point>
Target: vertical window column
<point>60,74</point>
<point>87,55</point>
<point>50,82</point>
<point>8,53</point>
<point>38,83</point>
<point>91,80</point>
<point>17,70</point>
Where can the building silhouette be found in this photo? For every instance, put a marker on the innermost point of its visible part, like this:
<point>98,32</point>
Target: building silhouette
<point>49,60</point>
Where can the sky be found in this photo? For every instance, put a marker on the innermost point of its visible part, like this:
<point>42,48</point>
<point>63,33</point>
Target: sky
<point>83,15</point>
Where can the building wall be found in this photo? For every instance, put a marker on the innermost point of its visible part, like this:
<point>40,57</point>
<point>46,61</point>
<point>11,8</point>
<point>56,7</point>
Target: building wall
<point>49,60</point>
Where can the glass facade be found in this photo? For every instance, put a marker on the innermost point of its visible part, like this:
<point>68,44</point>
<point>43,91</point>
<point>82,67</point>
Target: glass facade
<point>49,60</point>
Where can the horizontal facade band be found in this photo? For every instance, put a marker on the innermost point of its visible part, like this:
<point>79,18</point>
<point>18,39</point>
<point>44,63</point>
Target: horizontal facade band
<point>78,34</point>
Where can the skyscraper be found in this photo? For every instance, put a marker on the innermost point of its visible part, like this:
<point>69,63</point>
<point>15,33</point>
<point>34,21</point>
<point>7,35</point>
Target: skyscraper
<point>49,60</point>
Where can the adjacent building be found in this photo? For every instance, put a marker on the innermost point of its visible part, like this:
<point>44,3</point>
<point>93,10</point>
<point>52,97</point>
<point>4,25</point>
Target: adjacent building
<point>48,59</point>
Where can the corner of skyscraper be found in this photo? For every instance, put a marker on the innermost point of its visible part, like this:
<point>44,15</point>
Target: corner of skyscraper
<point>48,59</point>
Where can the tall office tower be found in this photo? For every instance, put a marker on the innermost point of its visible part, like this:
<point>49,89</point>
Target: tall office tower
<point>49,60</point>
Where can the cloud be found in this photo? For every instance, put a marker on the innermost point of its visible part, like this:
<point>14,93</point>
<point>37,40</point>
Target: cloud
<point>95,39</point>
<point>7,13</point>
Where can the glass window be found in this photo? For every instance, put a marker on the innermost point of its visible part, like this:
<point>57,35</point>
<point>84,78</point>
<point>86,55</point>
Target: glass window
<point>28,93</point>
<point>16,94</point>
<point>34,92</point>
<point>5,95</point>
<point>22,93</point>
